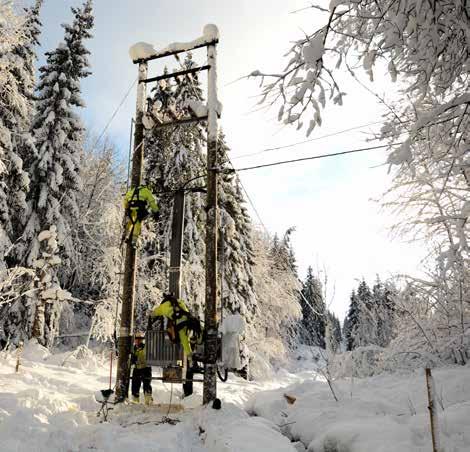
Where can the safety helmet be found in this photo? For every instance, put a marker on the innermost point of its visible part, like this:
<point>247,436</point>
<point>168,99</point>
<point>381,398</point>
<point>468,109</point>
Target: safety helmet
<point>139,335</point>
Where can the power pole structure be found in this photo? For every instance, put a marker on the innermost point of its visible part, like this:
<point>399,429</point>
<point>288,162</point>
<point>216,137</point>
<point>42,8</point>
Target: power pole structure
<point>126,331</point>
<point>212,293</point>
<point>155,120</point>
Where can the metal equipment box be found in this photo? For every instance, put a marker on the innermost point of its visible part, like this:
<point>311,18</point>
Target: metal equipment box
<point>161,352</point>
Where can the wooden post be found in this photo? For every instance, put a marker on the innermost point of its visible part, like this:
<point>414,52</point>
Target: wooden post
<point>19,351</point>
<point>432,412</point>
<point>210,314</point>
<point>177,228</point>
<point>126,330</point>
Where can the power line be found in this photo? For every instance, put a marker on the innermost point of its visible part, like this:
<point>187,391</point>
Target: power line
<point>339,132</point>
<point>114,114</point>
<point>315,157</point>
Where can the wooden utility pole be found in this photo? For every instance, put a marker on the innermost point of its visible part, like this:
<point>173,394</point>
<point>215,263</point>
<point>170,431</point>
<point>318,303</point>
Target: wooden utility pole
<point>210,314</point>
<point>126,331</point>
<point>176,251</point>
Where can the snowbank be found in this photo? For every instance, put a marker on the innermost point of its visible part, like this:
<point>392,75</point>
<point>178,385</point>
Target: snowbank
<point>387,413</point>
<point>232,430</point>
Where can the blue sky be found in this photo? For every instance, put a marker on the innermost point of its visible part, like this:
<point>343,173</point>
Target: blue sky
<point>338,227</point>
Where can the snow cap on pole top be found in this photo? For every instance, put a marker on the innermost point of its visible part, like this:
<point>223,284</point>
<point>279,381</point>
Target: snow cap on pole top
<point>141,50</point>
<point>210,32</point>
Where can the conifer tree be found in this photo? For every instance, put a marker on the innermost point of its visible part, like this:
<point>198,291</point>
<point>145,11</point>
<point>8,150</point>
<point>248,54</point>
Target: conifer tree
<point>58,133</point>
<point>365,331</point>
<point>23,142</point>
<point>313,311</point>
<point>351,321</point>
<point>54,177</point>
<point>384,307</point>
<point>335,336</point>
<point>236,257</point>
<point>19,36</point>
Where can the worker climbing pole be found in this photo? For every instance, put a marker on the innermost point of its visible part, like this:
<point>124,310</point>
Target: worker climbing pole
<point>126,330</point>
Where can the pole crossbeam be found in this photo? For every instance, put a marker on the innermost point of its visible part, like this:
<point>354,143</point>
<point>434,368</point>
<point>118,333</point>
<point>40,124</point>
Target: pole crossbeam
<point>175,52</point>
<point>180,122</point>
<point>177,74</point>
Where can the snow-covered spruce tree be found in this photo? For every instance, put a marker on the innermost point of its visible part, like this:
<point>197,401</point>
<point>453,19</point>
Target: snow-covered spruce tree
<point>365,332</point>
<point>22,142</point>
<point>18,35</point>
<point>350,322</point>
<point>236,256</point>
<point>383,301</point>
<point>54,169</point>
<point>334,336</point>
<point>312,331</point>
<point>58,133</point>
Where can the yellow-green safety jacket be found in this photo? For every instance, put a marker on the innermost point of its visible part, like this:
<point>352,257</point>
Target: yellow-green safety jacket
<point>139,357</point>
<point>165,309</point>
<point>143,194</point>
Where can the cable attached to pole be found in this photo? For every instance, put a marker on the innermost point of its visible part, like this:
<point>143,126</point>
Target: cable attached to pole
<point>315,157</point>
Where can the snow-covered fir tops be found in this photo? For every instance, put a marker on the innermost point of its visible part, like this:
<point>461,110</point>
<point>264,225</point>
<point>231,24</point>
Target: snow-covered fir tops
<point>58,134</point>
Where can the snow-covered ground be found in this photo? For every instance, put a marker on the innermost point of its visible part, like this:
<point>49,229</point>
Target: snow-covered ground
<point>49,406</point>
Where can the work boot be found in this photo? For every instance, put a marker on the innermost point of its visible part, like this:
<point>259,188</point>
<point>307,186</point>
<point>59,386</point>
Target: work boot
<point>135,399</point>
<point>148,399</point>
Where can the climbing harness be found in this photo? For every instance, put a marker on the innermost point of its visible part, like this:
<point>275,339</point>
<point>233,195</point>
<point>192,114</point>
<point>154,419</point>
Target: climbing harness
<point>175,324</point>
<point>139,206</point>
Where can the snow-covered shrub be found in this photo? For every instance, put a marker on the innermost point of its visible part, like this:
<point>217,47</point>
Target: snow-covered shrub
<point>361,362</point>
<point>271,333</point>
<point>104,320</point>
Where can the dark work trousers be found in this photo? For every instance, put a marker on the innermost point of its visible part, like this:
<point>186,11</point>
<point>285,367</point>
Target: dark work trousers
<point>140,376</point>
